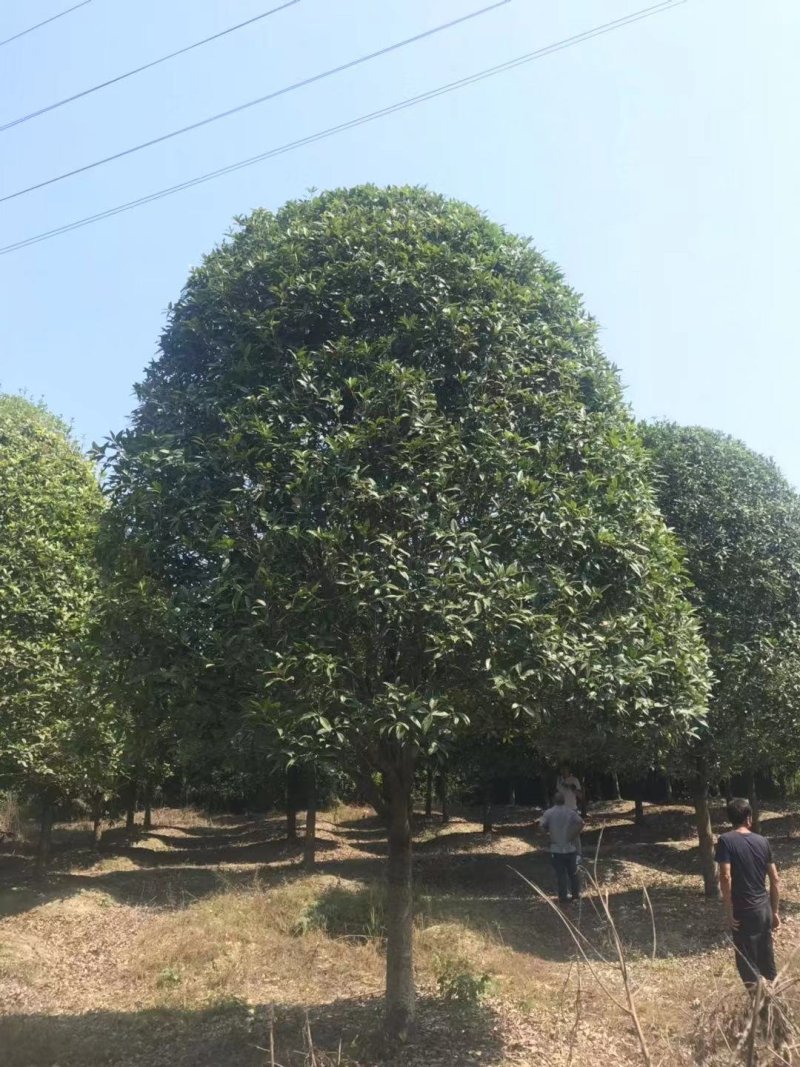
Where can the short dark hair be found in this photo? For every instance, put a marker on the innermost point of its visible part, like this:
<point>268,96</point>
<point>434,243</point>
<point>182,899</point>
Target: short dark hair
<point>739,811</point>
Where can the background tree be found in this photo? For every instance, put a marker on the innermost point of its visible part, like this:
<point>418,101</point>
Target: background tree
<point>53,727</point>
<point>381,444</point>
<point>739,522</point>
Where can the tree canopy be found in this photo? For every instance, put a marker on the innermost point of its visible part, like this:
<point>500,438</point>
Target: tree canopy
<point>739,522</point>
<point>52,735</point>
<point>381,446</point>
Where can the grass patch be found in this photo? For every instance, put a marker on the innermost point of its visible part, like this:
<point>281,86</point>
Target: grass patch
<point>153,844</point>
<point>240,940</point>
<point>20,960</point>
<point>346,911</point>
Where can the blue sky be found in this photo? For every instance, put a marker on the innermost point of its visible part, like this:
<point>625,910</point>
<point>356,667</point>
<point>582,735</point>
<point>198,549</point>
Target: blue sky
<point>658,165</point>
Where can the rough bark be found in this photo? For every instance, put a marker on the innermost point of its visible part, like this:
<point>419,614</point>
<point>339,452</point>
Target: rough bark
<point>131,805</point>
<point>487,810</point>
<point>291,824</point>
<point>291,803</point>
<point>310,840</point>
<point>705,839</point>
<point>147,824</point>
<point>443,799</point>
<point>97,820</point>
<point>400,994</point>
<point>45,839</point>
<point>428,792</point>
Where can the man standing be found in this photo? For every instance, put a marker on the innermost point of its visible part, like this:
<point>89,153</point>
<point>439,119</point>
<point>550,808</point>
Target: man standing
<point>569,787</point>
<point>745,862</point>
<point>564,825</point>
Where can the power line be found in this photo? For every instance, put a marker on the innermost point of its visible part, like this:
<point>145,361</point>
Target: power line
<point>38,25</point>
<point>145,66</point>
<point>252,103</point>
<point>431,94</point>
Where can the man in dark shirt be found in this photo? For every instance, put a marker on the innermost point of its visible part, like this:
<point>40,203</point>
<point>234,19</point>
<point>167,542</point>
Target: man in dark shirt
<point>745,862</point>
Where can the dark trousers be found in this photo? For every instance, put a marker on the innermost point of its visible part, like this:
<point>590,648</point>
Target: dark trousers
<point>753,944</point>
<point>566,868</point>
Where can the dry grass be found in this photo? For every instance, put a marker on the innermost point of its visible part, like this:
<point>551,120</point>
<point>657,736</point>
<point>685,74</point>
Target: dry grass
<point>180,946</point>
<point>250,943</point>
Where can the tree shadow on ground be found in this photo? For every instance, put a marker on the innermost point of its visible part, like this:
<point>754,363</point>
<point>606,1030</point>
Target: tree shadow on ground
<point>520,919</point>
<point>344,1031</point>
<point>163,887</point>
<point>785,824</point>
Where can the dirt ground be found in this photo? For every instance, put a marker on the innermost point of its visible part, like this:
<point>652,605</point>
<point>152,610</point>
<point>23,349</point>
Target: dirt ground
<point>204,943</point>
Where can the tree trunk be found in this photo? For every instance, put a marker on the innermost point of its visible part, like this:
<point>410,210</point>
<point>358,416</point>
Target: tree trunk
<point>705,838</point>
<point>617,795</point>
<point>291,804</point>
<point>45,840</point>
<point>97,819</point>
<point>291,824</point>
<point>429,792</point>
<point>400,995</point>
<point>130,811</point>
<point>370,792</point>
<point>668,789</point>
<point>443,797</point>
<point>487,810</point>
<point>310,842</point>
<point>752,796</point>
<point>638,809</point>
<point>148,807</point>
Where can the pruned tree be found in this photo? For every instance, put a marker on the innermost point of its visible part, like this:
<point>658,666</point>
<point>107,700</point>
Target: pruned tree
<point>53,727</point>
<point>380,443</point>
<point>739,522</point>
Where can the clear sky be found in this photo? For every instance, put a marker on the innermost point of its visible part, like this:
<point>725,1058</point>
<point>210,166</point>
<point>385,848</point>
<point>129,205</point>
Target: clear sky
<point>658,165</point>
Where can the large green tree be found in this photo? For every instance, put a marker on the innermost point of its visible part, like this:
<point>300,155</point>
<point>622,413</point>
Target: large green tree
<point>382,446</point>
<point>739,521</point>
<point>54,729</point>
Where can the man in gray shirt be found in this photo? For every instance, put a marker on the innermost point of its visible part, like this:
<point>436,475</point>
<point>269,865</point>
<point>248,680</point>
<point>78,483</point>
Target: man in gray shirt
<point>564,825</point>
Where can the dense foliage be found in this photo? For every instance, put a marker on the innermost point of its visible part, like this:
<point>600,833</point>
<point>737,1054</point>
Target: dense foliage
<point>381,450</point>
<point>739,522</point>
<point>56,730</point>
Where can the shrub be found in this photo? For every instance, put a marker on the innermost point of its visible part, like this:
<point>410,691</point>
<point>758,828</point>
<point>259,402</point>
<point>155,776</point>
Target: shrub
<point>458,981</point>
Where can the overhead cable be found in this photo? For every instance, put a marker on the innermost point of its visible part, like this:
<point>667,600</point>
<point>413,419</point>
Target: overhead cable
<point>252,103</point>
<point>145,66</point>
<point>38,25</point>
<point>489,72</point>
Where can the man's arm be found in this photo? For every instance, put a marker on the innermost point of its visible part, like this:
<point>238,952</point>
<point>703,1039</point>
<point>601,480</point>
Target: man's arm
<point>577,825</point>
<point>726,887</point>
<point>774,894</point>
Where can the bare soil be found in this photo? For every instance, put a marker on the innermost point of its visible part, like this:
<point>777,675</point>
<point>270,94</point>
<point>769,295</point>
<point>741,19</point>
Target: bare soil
<point>204,943</point>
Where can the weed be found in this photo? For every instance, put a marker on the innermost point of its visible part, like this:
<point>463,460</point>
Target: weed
<point>169,977</point>
<point>457,981</point>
